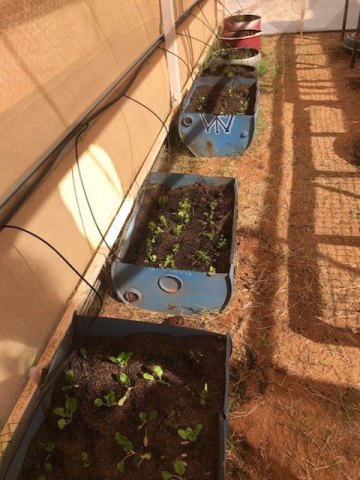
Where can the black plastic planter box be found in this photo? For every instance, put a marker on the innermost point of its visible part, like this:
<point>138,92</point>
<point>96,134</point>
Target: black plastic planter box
<point>98,327</point>
<point>177,292</point>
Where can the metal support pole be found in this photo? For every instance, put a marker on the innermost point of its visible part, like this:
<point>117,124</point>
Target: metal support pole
<point>346,8</point>
<point>354,52</point>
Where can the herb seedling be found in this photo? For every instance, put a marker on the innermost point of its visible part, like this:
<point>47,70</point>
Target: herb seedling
<point>121,360</point>
<point>109,400</point>
<point>67,412</point>
<point>69,379</point>
<point>203,257</point>
<point>124,380</point>
<point>85,459</point>
<point>178,229</point>
<point>169,262</point>
<point>84,355</point>
<point>128,447</point>
<point>146,418</point>
<point>204,394</point>
<point>157,375</point>
<point>163,200</point>
<point>184,210</point>
<point>163,221</point>
<point>222,243</point>
<point>209,235</point>
<point>189,434</point>
<point>179,469</point>
<point>176,248</point>
<point>47,447</point>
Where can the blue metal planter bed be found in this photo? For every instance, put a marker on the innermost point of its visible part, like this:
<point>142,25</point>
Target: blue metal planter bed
<point>219,134</point>
<point>41,449</point>
<point>165,287</point>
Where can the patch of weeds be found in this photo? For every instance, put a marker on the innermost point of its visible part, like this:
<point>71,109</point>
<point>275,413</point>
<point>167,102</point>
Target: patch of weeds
<point>189,434</point>
<point>179,471</point>
<point>67,412</point>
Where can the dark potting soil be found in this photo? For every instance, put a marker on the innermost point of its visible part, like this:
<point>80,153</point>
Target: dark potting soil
<point>244,33</point>
<point>230,71</point>
<point>219,100</point>
<point>192,238</point>
<point>188,364</point>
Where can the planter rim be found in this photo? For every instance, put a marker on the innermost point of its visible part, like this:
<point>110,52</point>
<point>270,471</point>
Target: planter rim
<point>83,325</point>
<point>246,17</point>
<point>232,35</point>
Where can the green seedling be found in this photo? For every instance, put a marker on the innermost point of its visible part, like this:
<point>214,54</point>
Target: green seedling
<point>184,210</point>
<point>203,257</point>
<point>67,412</point>
<point>209,235</point>
<point>47,447</point>
<point>176,248</point>
<point>108,400</point>
<point>157,375</point>
<point>203,395</point>
<point>84,355</point>
<point>169,262</point>
<point>150,250</point>
<point>222,243</point>
<point>179,471</point>
<point>212,270</point>
<point>85,459</point>
<point>152,227</point>
<point>197,356</point>
<point>126,382</point>
<point>121,360</point>
<point>163,221</point>
<point>146,418</point>
<point>178,229</point>
<point>128,447</point>
<point>69,379</point>
<point>189,434</point>
<point>163,200</point>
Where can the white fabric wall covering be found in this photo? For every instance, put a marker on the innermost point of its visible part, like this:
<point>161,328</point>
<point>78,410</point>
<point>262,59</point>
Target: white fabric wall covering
<point>283,16</point>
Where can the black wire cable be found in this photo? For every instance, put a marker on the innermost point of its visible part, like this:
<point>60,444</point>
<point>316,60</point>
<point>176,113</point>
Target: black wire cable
<point>198,39</point>
<point>207,25</point>
<point>178,56</point>
<point>21,229</point>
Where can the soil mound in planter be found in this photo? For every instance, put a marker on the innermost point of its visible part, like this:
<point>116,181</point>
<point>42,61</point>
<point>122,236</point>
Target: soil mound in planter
<point>211,236</point>
<point>230,71</point>
<point>236,53</point>
<point>243,33</point>
<point>86,449</point>
<point>219,100</point>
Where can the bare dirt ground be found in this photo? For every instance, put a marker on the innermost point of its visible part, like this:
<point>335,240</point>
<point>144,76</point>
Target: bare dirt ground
<point>295,316</point>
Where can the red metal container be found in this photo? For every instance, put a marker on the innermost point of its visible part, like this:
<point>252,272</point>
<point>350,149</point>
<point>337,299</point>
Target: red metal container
<point>241,39</point>
<point>235,23</point>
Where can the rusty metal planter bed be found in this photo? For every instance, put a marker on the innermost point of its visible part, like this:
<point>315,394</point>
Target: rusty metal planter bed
<point>215,135</point>
<point>170,290</point>
<point>39,408</point>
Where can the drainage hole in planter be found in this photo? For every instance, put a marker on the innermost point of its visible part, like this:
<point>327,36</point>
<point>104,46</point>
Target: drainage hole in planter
<point>187,121</point>
<point>170,284</point>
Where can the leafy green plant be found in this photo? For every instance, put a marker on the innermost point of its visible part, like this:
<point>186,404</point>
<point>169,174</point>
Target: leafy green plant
<point>189,434</point>
<point>85,459</point>
<point>126,382</point>
<point>176,248</point>
<point>203,257</point>
<point>184,210</point>
<point>169,262</point>
<point>179,471</point>
<point>46,467</point>
<point>108,400</point>
<point>67,412</point>
<point>121,360</point>
<point>69,379</point>
<point>156,376</point>
<point>163,221</point>
<point>145,419</point>
<point>84,355</point>
<point>163,200</point>
<point>178,229</point>
<point>222,243</point>
<point>204,394</point>
<point>128,447</point>
<point>209,235</point>
<point>150,250</point>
